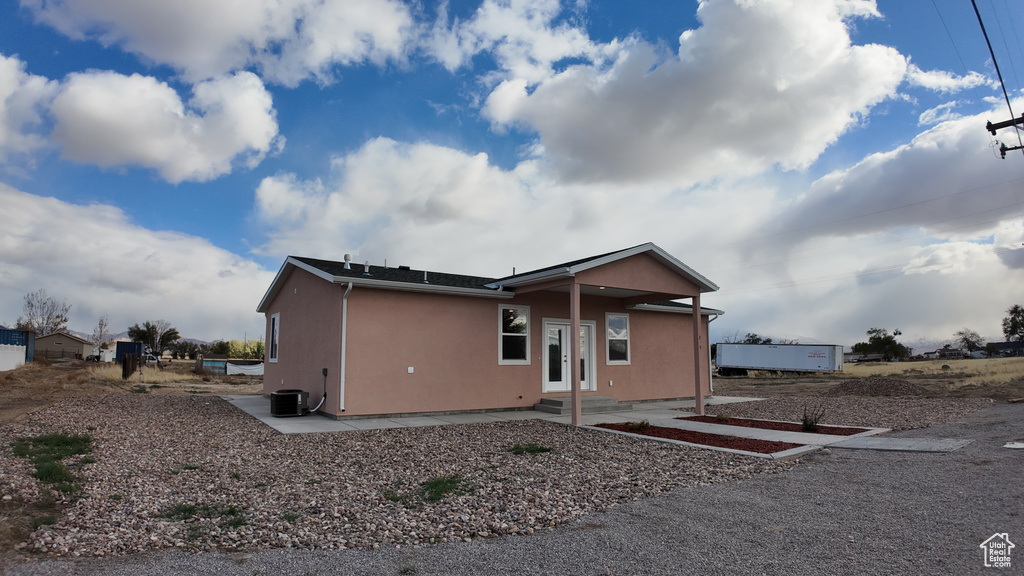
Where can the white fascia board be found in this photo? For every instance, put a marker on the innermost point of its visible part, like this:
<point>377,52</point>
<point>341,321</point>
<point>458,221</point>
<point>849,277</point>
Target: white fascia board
<point>429,288</point>
<point>532,278</point>
<point>676,310</point>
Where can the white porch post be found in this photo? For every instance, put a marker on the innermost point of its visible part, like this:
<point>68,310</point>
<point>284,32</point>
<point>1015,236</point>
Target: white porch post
<point>698,394</point>
<point>574,352</point>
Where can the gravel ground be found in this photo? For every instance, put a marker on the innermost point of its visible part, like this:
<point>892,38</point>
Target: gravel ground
<point>860,512</point>
<point>194,472</point>
<point>895,413</point>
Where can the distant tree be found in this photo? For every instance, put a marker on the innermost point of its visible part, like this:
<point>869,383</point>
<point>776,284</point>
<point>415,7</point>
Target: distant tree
<point>1013,324</point>
<point>101,333</point>
<point>969,340</point>
<point>753,338</point>
<point>991,350</point>
<point>881,342</point>
<point>182,348</point>
<point>43,314</point>
<point>221,347</point>
<point>156,336</point>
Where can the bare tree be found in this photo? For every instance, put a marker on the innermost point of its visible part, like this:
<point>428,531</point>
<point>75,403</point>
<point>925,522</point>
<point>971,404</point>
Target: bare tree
<point>969,339</point>
<point>101,333</point>
<point>44,314</point>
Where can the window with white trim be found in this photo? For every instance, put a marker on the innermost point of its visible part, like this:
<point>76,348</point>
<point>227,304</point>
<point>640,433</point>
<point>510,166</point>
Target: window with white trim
<point>513,334</point>
<point>275,329</point>
<point>616,338</point>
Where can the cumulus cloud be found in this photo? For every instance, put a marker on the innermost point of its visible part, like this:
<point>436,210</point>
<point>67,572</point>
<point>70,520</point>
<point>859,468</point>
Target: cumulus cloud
<point>102,263</point>
<point>108,119</point>
<point>23,99</point>
<point>946,183</point>
<point>290,40</point>
<point>946,82</point>
<point>521,35</point>
<point>757,85</point>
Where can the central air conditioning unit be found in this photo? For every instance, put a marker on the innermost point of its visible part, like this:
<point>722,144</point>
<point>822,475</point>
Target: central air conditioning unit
<point>289,403</point>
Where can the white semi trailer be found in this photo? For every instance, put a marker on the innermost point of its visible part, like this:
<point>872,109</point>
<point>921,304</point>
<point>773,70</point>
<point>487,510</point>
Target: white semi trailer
<point>736,359</point>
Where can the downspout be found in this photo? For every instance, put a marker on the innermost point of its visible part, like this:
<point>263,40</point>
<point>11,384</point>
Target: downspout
<point>344,341</point>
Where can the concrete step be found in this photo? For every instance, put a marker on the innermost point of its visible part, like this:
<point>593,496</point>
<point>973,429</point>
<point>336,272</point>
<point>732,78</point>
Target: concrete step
<point>591,405</point>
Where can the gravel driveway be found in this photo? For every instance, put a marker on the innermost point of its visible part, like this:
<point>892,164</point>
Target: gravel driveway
<point>848,512</point>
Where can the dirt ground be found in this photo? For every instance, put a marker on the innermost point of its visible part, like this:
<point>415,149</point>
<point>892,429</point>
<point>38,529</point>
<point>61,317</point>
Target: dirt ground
<point>952,384</point>
<point>41,384</point>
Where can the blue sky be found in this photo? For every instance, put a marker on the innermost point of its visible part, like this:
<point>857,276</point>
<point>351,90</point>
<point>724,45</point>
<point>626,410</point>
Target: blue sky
<point>825,162</point>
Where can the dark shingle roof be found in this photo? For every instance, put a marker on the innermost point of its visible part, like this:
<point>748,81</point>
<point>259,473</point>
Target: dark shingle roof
<point>396,274</point>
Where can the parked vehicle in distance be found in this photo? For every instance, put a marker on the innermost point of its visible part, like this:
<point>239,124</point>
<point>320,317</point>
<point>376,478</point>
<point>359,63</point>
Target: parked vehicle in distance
<point>92,358</point>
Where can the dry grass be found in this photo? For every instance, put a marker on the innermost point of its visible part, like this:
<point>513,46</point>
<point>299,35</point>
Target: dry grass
<point>112,373</point>
<point>972,372</point>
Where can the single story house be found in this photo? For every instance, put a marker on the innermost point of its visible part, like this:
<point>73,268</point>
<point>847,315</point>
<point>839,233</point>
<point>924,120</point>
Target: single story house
<point>63,345</point>
<point>378,340</point>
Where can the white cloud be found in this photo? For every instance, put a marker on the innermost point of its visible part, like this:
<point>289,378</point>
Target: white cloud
<point>519,33</point>
<point>109,119</point>
<point>757,85</point>
<point>290,39</point>
<point>941,113</point>
<point>946,183</point>
<point>23,97</point>
<point>101,263</point>
<point>946,82</point>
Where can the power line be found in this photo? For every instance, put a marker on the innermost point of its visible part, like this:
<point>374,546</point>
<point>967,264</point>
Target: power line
<point>1000,75</point>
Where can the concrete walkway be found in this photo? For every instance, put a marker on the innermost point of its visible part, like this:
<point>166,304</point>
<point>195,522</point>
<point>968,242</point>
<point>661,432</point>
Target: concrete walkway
<point>259,407</point>
<point>663,413</point>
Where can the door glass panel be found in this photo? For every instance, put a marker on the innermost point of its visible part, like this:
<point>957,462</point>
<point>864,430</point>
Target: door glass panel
<point>584,346</point>
<point>554,354</point>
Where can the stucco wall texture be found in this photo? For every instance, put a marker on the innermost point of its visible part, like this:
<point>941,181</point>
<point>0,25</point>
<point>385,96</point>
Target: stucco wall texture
<point>450,343</point>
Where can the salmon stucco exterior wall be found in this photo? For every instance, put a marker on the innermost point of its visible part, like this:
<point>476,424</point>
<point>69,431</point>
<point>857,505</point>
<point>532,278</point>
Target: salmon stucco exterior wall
<point>411,348</point>
<point>309,314</point>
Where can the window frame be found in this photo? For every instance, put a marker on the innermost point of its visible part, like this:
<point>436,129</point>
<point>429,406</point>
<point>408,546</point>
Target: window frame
<point>274,342</point>
<point>608,338</point>
<point>501,335</point>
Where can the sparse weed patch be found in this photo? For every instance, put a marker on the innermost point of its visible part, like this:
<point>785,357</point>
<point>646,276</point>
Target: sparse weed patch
<point>639,425</point>
<point>47,453</point>
<point>438,487</point>
<point>529,448</point>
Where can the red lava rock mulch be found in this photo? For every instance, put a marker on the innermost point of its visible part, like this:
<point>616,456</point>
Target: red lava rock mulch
<point>718,440</point>
<point>770,425</point>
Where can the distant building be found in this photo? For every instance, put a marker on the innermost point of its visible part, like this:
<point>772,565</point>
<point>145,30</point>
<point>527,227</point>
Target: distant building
<point>63,345</point>
<point>1003,349</point>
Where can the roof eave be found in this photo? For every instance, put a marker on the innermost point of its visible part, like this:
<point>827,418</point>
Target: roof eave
<point>425,287</point>
<point>677,309</point>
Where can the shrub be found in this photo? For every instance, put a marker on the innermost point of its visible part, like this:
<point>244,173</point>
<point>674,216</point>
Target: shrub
<point>811,419</point>
<point>722,417</point>
<point>641,425</point>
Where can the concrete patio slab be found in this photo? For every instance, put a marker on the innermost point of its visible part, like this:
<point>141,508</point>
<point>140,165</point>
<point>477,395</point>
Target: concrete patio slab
<point>903,444</point>
<point>468,418</point>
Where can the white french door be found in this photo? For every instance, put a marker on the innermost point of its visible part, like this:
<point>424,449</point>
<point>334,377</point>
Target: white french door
<point>556,355</point>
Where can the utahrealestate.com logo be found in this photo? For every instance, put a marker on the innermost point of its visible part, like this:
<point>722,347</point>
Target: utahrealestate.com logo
<point>997,550</point>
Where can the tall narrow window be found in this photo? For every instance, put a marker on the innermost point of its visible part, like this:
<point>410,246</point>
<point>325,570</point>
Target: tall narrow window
<point>514,335</point>
<point>275,329</point>
<point>617,338</point>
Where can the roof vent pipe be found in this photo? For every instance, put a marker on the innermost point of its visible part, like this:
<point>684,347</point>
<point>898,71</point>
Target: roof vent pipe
<point>425,277</point>
<point>348,262</point>
<point>366,269</point>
